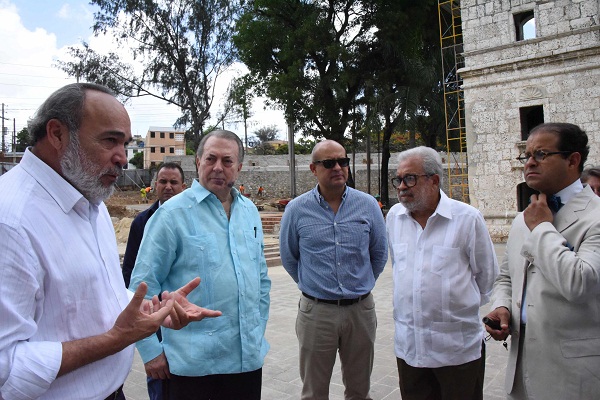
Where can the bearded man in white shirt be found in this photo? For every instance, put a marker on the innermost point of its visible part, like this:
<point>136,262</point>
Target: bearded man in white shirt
<point>67,323</point>
<point>444,267</point>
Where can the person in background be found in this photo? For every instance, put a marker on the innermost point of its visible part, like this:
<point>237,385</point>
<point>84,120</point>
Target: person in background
<point>169,182</point>
<point>333,245</point>
<point>242,189</point>
<point>213,230</point>
<point>591,176</point>
<point>444,268</point>
<point>547,295</point>
<point>67,319</point>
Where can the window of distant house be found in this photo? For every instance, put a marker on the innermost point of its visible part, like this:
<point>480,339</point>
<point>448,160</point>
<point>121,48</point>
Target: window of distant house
<point>171,135</point>
<point>162,135</point>
<point>152,149</point>
<point>530,118</point>
<point>135,151</point>
<point>162,149</point>
<point>171,150</point>
<point>524,25</point>
<point>152,135</point>
<point>179,152</point>
<point>179,137</point>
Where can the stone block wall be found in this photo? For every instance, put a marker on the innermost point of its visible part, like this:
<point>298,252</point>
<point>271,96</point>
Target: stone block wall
<point>272,172</point>
<point>559,70</point>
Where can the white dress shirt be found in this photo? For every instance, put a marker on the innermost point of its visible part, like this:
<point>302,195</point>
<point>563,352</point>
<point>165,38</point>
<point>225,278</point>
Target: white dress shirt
<point>60,280</point>
<point>442,275</point>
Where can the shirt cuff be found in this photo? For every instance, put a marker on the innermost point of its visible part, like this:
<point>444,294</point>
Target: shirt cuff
<point>35,367</point>
<point>149,348</point>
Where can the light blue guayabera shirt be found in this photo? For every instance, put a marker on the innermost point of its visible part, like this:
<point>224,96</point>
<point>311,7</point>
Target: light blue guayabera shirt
<point>333,256</point>
<point>190,236</point>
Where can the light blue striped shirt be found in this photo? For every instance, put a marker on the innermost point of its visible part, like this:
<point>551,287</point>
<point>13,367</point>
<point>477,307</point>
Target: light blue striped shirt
<point>333,255</point>
<point>190,236</point>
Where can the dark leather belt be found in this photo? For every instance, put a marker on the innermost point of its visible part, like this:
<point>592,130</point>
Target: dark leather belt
<point>115,395</point>
<point>341,302</point>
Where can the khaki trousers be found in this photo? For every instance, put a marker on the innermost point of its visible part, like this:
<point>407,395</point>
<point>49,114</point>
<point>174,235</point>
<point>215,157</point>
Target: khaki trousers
<point>324,329</point>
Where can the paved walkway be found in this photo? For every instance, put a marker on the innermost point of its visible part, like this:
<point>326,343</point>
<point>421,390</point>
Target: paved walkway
<point>280,373</point>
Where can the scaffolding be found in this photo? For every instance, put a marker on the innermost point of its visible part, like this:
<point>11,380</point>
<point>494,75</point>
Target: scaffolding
<point>451,42</point>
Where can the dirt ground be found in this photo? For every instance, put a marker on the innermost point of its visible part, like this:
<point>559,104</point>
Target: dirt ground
<point>121,198</point>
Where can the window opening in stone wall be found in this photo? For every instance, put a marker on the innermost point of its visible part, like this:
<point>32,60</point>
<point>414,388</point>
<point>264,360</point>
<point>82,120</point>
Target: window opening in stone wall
<point>530,118</point>
<point>162,135</point>
<point>162,149</point>
<point>524,25</point>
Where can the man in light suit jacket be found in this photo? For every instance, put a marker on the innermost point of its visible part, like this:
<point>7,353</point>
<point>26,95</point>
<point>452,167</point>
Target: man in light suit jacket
<point>547,296</point>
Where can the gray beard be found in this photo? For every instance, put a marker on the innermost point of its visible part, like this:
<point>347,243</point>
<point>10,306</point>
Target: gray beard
<point>412,205</point>
<point>80,172</point>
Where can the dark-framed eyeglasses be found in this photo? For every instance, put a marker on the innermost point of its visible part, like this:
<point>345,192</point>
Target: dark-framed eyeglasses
<point>343,162</point>
<point>409,180</point>
<point>539,155</point>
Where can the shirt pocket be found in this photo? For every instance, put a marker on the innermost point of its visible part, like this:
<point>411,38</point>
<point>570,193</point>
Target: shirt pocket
<point>440,282</point>
<point>253,245</point>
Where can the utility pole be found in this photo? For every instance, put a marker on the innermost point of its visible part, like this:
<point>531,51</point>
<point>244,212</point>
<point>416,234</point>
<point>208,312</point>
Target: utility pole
<point>290,126</point>
<point>14,141</point>
<point>3,146</point>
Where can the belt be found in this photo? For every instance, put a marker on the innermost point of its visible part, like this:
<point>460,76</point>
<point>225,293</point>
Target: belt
<point>341,302</point>
<point>115,395</point>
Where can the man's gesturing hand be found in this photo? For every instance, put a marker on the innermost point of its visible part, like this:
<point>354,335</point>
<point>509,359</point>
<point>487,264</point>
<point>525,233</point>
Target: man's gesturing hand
<point>184,311</point>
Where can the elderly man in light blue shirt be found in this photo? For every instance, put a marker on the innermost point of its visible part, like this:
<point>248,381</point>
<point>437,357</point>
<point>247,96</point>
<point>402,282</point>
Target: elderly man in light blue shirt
<point>211,231</point>
<point>333,244</point>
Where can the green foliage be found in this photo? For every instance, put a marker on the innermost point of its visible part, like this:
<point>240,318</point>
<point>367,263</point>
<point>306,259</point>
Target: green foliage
<point>23,140</point>
<point>138,160</point>
<point>180,48</point>
<point>347,65</point>
<point>266,134</point>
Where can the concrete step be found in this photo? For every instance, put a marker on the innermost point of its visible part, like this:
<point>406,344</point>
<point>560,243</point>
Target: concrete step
<point>271,221</point>
<point>272,254</point>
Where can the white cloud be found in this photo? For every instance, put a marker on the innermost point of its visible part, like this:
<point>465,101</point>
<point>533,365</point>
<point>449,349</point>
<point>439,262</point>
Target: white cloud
<point>27,75</point>
<point>64,12</point>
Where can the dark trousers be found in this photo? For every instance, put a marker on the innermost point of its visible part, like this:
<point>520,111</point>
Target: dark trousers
<point>456,382</point>
<point>246,386</point>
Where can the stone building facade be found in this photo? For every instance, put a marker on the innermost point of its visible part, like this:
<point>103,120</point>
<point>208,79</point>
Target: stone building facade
<point>511,85</point>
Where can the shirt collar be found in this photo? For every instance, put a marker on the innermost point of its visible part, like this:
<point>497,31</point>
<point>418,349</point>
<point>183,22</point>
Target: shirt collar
<point>201,193</point>
<point>570,191</point>
<point>321,199</point>
<point>63,193</point>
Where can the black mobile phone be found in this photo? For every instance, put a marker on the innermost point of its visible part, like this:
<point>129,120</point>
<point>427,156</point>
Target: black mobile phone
<point>492,324</point>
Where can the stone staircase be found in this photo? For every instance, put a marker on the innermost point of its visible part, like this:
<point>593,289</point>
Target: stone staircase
<point>270,223</point>
<point>272,254</point>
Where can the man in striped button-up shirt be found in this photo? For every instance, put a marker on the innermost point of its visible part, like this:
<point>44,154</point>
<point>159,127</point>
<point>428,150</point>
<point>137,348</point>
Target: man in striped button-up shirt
<point>334,246</point>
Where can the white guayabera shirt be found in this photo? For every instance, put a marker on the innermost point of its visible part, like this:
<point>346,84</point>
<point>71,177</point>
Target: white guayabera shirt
<point>442,275</point>
<point>60,280</point>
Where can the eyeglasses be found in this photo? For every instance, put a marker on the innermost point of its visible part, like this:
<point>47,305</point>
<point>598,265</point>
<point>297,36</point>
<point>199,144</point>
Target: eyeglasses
<point>409,180</point>
<point>343,162</point>
<point>539,155</point>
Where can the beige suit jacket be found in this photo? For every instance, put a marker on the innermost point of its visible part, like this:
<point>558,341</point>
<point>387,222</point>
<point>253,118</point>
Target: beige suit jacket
<point>562,264</point>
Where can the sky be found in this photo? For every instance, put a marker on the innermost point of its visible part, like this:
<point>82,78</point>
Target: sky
<point>37,33</point>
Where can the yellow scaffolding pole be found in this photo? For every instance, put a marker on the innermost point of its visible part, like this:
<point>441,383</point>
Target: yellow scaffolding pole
<point>451,44</point>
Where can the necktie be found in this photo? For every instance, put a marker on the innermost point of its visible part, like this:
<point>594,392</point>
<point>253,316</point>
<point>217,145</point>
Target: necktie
<point>554,203</point>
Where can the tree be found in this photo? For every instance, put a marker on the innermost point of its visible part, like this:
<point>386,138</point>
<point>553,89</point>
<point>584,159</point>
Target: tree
<point>332,64</point>
<point>404,69</point>
<point>307,57</point>
<point>180,48</point>
<point>23,140</point>
<point>266,134</point>
<point>138,160</point>
<point>239,101</point>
